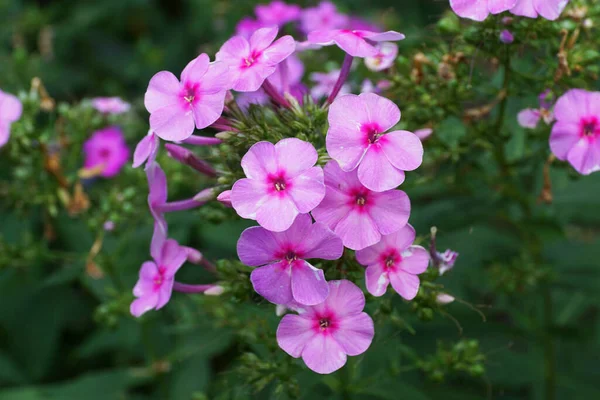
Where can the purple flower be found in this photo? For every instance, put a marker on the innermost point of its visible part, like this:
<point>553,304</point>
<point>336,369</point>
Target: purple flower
<point>325,334</point>
<point>324,16</point>
<point>281,183</point>
<point>446,260</point>
<point>386,54</point>
<point>146,150</point>
<point>356,139</point>
<point>423,134</point>
<point>325,82</point>
<point>479,10</point>
<point>394,260</point>
<point>197,101</point>
<point>106,150</point>
<point>155,284</point>
<point>355,43</point>
<point>277,13</point>
<point>530,117</point>
<point>247,26</point>
<point>356,214</point>
<point>506,37</point>
<point>110,105</point>
<point>252,62</point>
<point>283,274</point>
<point>575,136</point>
<point>548,9</point>
<point>10,111</point>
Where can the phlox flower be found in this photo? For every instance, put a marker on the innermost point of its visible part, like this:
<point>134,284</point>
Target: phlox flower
<point>277,13</point>
<point>10,111</point>
<point>394,260</point>
<point>356,214</point>
<point>155,284</point>
<point>247,26</point>
<point>479,10</point>
<point>357,23</point>
<point>284,275</point>
<point>324,84</point>
<point>575,136</point>
<point>325,334</point>
<point>252,61</point>
<point>530,117</point>
<point>424,133</point>
<point>146,149</point>
<point>324,16</point>
<point>356,43</point>
<point>110,105</point>
<point>356,139</point>
<point>176,107</point>
<point>106,149</point>
<point>386,54</point>
<point>548,9</point>
<point>445,261</point>
<point>281,183</point>
<point>507,37</point>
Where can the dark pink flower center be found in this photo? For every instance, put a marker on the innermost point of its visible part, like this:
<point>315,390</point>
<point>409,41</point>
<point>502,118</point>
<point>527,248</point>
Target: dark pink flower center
<point>372,132</point>
<point>190,93</point>
<point>159,278</point>
<point>278,183</point>
<point>391,258</point>
<point>325,322</point>
<point>590,127</point>
<point>359,198</point>
<point>104,153</point>
<point>249,61</point>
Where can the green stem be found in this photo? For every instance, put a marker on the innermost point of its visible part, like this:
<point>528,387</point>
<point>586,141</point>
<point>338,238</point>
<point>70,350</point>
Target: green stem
<point>497,131</point>
<point>549,348</point>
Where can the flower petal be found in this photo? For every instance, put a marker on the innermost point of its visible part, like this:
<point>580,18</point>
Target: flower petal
<point>355,45</point>
<point>345,298</point>
<point>323,354</point>
<point>143,304</point>
<point>524,8</point>
<point>391,210</point>
<point>257,246</point>
<point>473,9</point>
<point>293,333</point>
<point>279,51</point>
<point>11,107</point>
<point>321,242</point>
<point>277,213</point>
<point>405,284</point>
<point>260,161</point>
<point>163,90</point>
<point>273,282</point>
<point>585,156</point>
<point>415,260</point>
<point>402,239</point>
<point>357,230</point>
<point>295,156</point>
<point>195,70</point>
<point>309,286</point>
<point>172,257</point>
<point>262,38</point>
<point>145,150</point>
<point>550,9</point>
<point>384,112</point>
<point>173,122</point>
<point>355,333</point>
<point>529,118</point>
<point>145,283</point>
<point>308,190</point>
<point>248,196</point>
<point>572,106</point>
<point>376,279</point>
<point>208,109</point>
<point>563,138</point>
<point>498,6</point>
<point>371,254</point>
<point>164,293</point>
<point>377,173</point>
<point>403,149</point>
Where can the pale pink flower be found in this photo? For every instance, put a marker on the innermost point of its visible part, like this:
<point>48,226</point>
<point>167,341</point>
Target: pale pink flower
<point>284,275</point>
<point>110,105</point>
<point>324,84</point>
<point>10,111</point>
<point>356,43</point>
<point>424,133</point>
<point>107,150</point>
<point>368,87</point>
<point>356,214</point>
<point>445,261</point>
<point>252,61</point>
<point>247,26</point>
<point>197,101</point>
<point>356,139</point>
<point>277,13</point>
<point>384,59</point>
<point>324,16</point>
<point>155,285</point>
<point>444,298</point>
<point>394,260</point>
<point>146,149</point>
<point>575,136</point>
<point>530,117</point>
<point>548,9</point>
<point>325,334</point>
<point>281,183</point>
<point>479,10</point>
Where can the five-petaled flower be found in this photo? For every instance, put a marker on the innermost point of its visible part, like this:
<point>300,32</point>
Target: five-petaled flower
<point>107,151</point>
<point>325,334</point>
<point>386,54</point>
<point>197,101</point>
<point>357,43</point>
<point>283,275</point>
<point>357,139</point>
<point>252,61</point>
<point>356,214</point>
<point>10,111</point>
<point>394,260</point>
<point>281,183</point>
<point>575,136</point>
<point>277,13</point>
<point>322,17</point>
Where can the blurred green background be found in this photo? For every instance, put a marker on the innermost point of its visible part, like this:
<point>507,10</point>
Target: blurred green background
<point>66,335</point>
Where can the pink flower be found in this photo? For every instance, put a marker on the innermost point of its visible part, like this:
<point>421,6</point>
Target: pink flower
<point>277,13</point>
<point>176,107</point>
<point>548,9</point>
<point>324,16</point>
<point>10,111</point>
<point>251,62</point>
<point>146,150</point>
<point>325,82</point>
<point>155,284</point>
<point>357,23</point>
<point>386,54</point>
<point>479,10</point>
<point>110,105</point>
<point>394,260</point>
<point>575,136</point>
<point>357,139</point>
<point>445,261</point>
<point>356,214</point>
<point>281,183</point>
<point>106,149</point>
<point>506,37</point>
<point>325,334</point>
<point>247,26</point>
<point>424,133</point>
<point>283,275</point>
<point>356,43</point>
<point>530,117</point>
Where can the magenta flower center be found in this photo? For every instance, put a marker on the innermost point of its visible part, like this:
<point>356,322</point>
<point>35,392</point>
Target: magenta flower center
<point>159,278</point>
<point>372,132</point>
<point>291,256</point>
<point>104,153</point>
<point>391,258</point>
<point>324,323</point>
<point>190,93</point>
<point>278,183</point>
<point>359,198</point>
<point>590,127</point>
<point>247,62</point>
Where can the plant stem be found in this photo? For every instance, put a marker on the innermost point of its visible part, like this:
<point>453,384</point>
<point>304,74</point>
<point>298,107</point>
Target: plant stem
<point>344,72</point>
<point>549,348</point>
<point>274,94</point>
